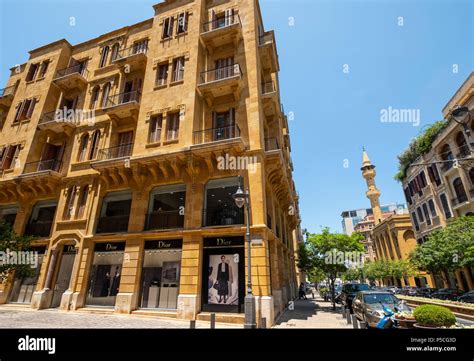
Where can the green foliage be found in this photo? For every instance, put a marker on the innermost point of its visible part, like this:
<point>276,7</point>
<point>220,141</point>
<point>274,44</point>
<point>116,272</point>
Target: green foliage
<point>10,241</point>
<point>447,249</point>
<point>434,316</point>
<point>384,269</point>
<point>418,147</point>
<point>353,274</point>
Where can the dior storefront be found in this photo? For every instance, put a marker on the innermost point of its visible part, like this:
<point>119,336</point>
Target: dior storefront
<point>104,280</point>
<point>159,288</point>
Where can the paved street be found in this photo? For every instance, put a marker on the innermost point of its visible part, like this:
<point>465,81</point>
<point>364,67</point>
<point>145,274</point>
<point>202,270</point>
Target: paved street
<point>19,318</point>
<point>311,314</point>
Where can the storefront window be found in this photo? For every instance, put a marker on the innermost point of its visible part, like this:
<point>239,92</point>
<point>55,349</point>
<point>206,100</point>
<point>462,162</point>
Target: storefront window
<point>160,274</point>
<point>23,287</point>
<point>115,213</point>
<point>166,209</point>
<point>8,215</point>
<point>105,274</point>
<point>220,208</point>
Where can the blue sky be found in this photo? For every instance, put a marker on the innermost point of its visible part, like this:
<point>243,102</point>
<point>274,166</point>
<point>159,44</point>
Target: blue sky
<point>336,113</point>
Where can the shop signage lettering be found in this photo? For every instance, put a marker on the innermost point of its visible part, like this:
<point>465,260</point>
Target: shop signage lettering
<point>110,247</point>
<point>224,242</point>
<point>164,244</point>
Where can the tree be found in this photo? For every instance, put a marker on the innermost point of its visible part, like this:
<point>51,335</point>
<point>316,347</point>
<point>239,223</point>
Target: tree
<point>327,252</point>
<point>10,242</point>
<point>447,249</point>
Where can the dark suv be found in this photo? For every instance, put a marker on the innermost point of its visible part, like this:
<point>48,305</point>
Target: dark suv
<point>349,291</point>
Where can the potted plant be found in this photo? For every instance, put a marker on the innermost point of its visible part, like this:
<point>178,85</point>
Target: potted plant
<point>405,319</point>
<point>433,316</point>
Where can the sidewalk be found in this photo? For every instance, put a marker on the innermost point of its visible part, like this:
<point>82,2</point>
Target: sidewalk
<point>312,314</point>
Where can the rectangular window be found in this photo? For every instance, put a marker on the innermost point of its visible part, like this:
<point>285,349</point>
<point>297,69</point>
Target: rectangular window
<point>182,23</point>
<point>162,74</point>
<point>178,69</point>
<point>427,214</point>
<point>432,208</point>
<point>69,210</point>
<point>420,214</point>
<point>140,47</point>
<point>172,131</point>
<point>166,208</point>
<point>444,202</point>
<point>115,213</point>
<point>167,28</point>
<point>81,207</point>
<point>32,72</point>
<point>10,156</point>
<point>43,69</point>
<point>415,221</point>
<point>155,128</point>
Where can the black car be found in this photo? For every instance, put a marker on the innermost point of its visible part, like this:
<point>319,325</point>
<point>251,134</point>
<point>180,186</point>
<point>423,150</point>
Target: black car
<point>451,294</point>
<point>409,291</point>
<point>468,297</point>
<point>349,291</point>
<point>426,292</point>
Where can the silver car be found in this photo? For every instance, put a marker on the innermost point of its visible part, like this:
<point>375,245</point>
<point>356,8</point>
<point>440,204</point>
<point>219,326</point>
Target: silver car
<point>368,306</point>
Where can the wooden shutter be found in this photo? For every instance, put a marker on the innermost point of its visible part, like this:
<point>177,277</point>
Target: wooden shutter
<point>212,17</point>
<point>229,17</point>
<point>18,111</point>
<point>4,155</point>
<point>31,108</point>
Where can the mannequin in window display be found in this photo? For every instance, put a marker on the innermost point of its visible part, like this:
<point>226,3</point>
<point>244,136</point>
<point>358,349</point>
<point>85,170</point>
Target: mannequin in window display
<point>210,283</point>
<point>114,288</point>
<point>223,277</point>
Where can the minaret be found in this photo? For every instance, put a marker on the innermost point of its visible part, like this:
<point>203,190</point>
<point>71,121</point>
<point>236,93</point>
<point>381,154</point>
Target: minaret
<point>368,172</point>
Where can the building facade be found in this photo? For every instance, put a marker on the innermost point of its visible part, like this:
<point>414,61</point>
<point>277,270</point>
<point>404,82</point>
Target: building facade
<point>121,154</point>
<point>391,237</point>
<point>442,187</point>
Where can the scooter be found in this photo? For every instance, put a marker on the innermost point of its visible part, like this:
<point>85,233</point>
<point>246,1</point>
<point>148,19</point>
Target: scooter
<point>388,321</point>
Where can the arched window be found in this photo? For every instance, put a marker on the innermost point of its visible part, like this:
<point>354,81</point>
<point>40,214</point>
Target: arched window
<point>95,97</point>
<point>83,147</point>
<point>105,95</point>
<point>94,145</point>
<point>463,148</point>
<point>81,206</point>
<point>103,56</point>
<point>115,50</point>
<point>459,190</point>
<point>446,155</point>
<point>471,175</point>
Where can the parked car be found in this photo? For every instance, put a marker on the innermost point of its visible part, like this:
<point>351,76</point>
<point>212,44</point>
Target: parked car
<point>392,289</point>
<point>409,291</point>
<point>426,291</point>
<point>349,291</point>
<point>451,294</point>
<point>467,297</point>
<point>368,306</point>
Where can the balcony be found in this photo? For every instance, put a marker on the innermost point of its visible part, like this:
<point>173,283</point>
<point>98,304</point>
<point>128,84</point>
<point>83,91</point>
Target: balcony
<point>6,96</point>
<point>164,220</point>
<point>121,151</point>
<point>113,224</point>
<point>459,201</point>
<point>271,102</point>
<point>464,152</point>
<point>220,82</point>
<point>448,165</point>
<point>72,77</point>
<point>59,121</point>
<point>221,31</point>
<point>271,144</point>
<point>268,52</point>
<point>223,216</point>
<point>216,134</point>
<point>123,105</point>
<point>40,229</point>
<point>43,167</point>
<point>134,56</point>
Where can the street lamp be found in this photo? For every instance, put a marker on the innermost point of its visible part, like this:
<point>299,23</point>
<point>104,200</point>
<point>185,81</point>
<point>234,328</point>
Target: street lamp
<point>243,199</point>
<point>462,115</point>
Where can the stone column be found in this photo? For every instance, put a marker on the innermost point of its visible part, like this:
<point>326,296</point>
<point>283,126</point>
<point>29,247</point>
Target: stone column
<point>42,299</point>
<point>127,298</point>
<point>66,298</point>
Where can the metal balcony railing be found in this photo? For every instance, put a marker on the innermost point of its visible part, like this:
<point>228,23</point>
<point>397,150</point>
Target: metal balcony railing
<point>447,166</point>
<point>8,91</point>
<point>216,134</point>
<point>122,98</point>
<point>113,224</point>
<point>221,73</point>
<point>74,69</point>
<point>268,87</point>
<point>39,228</point>
<point>221,23</point>
<point>464,151</point>
<point>164,220</point>
<point>131,51</point>
<point>459,200</point>
<point>223,216</point>
<point>42,165</point>
<point>120,151</point>
<point>271,144</point>
<point>59,116</point>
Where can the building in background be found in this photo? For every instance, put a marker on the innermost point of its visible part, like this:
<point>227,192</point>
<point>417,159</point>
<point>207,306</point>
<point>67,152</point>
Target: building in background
<point>121,154</point>
<point>442,187</point>
<point>351,218</point>
<point>392,238</point>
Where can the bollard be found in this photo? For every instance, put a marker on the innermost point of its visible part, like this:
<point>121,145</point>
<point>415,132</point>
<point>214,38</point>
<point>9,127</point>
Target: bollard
<point>362,324</point>
<point>348,317</point>
<point>354,321</point>
<point>263,323</point>
<point>343,312</point>
<point>192,324</point>
<point>213,320</point>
